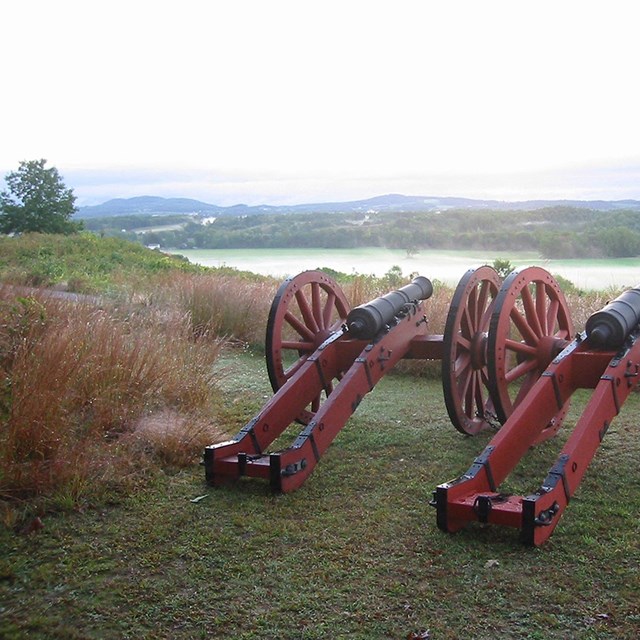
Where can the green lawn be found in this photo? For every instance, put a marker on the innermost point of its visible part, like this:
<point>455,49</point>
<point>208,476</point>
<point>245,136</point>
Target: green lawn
<point>355,553</point>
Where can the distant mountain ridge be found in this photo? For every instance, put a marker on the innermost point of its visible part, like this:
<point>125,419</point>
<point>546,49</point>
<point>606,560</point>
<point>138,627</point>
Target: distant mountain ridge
<point>154,205</point>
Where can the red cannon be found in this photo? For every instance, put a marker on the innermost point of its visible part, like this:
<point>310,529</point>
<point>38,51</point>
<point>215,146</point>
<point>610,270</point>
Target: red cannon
<point>323,358</point>
<point>605,358</point>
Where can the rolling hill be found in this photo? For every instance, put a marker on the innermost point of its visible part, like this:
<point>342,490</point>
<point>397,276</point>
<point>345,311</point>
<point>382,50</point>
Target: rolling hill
<point>152,205</point>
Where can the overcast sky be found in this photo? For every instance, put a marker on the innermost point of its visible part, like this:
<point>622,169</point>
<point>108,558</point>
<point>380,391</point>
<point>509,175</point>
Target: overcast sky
<point>297,101</point>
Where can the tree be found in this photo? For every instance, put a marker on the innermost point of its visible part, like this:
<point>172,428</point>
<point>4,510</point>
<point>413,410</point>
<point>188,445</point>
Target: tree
<point>37,200</point>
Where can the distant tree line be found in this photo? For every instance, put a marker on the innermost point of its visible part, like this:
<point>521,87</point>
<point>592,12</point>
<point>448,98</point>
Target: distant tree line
<point>37,200</point>
<point>554,232</point>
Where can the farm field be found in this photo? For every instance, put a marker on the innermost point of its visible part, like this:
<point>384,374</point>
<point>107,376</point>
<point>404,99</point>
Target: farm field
<point>355,553</point>
<point>446,266</point>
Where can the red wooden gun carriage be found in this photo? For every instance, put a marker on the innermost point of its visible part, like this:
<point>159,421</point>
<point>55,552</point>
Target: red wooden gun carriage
<point>508,358</point>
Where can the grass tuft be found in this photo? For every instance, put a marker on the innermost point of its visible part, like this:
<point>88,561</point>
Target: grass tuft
<point>75,377</point>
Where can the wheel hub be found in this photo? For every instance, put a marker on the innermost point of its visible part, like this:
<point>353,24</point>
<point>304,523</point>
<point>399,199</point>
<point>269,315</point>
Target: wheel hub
<point>478,350</point>
<point>548,348</point>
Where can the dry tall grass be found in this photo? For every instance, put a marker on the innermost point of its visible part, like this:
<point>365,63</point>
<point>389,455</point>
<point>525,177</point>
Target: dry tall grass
<point>219,305</point>
<point>74,378</point>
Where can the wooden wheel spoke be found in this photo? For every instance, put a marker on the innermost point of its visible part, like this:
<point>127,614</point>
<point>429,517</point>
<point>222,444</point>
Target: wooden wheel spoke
<point>486,316</point>
<point>521,369</point>
<point>472,394</point>
<point>463,363</point>
<point>466,323</point>
<point>305,310</point>
<point>482,294</point>
<point>467,395</point>
<point>523,327</point>
<point>520,347</point>
<point>465,379</point>
<point>541,308</point>
<point>463,342</point>
<point>476,397</point>
<point>472,308</point>
<point>297,345</point>
<point>301,329</point>
<point>480,393</point>
<point>531,311</point>
<point>327,312</point>
<point>483,299</point>
<point>552,315</point>
<point>316,306</point>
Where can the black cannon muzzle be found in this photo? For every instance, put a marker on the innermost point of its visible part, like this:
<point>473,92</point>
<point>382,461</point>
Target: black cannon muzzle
<point>610,327</point>
<point>367,320</point>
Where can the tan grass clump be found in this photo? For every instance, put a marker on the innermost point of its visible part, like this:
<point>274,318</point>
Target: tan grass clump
<point>583,304</point>
<point>220,305</point>
<point>73,378</point>
<point>173,438</point>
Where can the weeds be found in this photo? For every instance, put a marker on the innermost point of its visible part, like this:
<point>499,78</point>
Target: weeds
<point>220,305</point>
<point>75,378</point>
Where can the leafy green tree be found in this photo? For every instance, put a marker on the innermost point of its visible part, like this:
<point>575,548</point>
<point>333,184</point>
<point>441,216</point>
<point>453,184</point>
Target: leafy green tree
<point>36,200</point>
<point>618,242</point>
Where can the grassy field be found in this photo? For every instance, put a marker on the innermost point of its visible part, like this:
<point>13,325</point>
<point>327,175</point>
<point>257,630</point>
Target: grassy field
<point>102,415</point>
<point>354,553</point>
<point>445,266</point>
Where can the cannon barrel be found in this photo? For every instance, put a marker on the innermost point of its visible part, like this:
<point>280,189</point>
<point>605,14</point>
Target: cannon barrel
<point>367,320</point>
<point>610,327</point>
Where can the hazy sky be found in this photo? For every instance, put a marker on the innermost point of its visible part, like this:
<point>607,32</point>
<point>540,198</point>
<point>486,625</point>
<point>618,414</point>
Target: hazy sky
<point>298,101</point>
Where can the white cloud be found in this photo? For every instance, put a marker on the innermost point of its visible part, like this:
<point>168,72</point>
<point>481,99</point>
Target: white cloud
<point>323,96</point>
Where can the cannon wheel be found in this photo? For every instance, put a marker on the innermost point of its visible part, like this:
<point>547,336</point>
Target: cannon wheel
<point>464,362</point>
<point>529,326</point>
<point>306,310</point>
